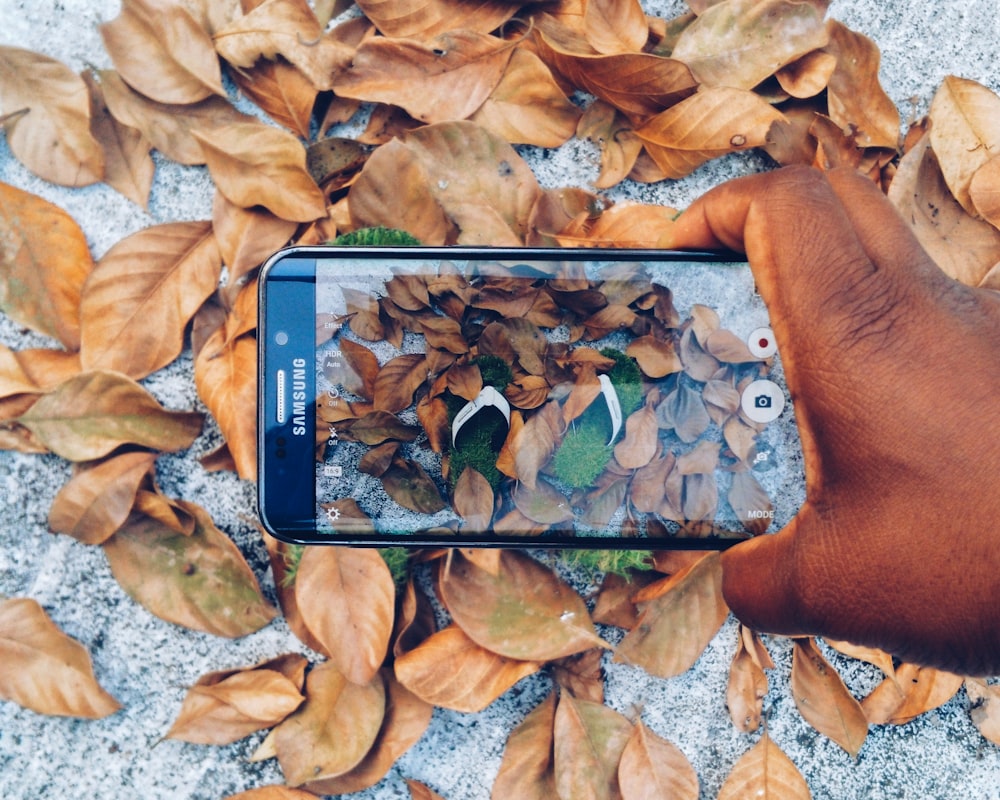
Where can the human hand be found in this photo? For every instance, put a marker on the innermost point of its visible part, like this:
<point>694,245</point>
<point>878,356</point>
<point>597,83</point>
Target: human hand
<point>894,370</point>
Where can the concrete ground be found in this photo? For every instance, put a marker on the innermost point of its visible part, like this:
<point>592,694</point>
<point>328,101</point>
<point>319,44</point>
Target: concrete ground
<point>147,663</point>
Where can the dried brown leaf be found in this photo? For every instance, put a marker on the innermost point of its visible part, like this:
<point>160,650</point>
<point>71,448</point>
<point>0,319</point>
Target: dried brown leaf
<point>199,581</point>
<point>424,19</point>
<point>823,699</point>
<point>446,78</point>
<point>709,124</point>
<point>526,771</point>
<point>247,236</point>
<point>223,707</point>
<point>615,26</point>
<point>272,793</point>
<point>128,166</point>
<point>611,131</point>
<point>911,692</point>
<point>747,684</point>
<point>807,76</point>
<point>471,187</point>
<point>641,439</point>
<point>655,357</point>
<point>739,43</point>
<point>473,500</point>
<point>347,594</point>
<point>226,378</point>
<point>139,298</point>
<point>984,699</point>
<point>408,484</point>
<point>751,503</point>
<point>398,380</point>
<point>280,91</point>
<point>527,106</point>
<point>535,442</point>
<point>856,99</point>
<point>255,164</point>
<point>984,191</point>
<point>163,52</point>
<point>765,772</point>
<point>333,730</point>
<point>44,262</point>
<point>589,739</point>
<point>964,247</point>
<point>406,718</point>
<point>288,28</point>
<point>43,669</point>
<point>652,768</point>
<point>52,138</point>
<point>525,612</point>
<point>97,500</point>
<point>449,670</point>
<point>680,615</point>
<point>88,416</point>
<point>168,127</point>
<point>638,84</point>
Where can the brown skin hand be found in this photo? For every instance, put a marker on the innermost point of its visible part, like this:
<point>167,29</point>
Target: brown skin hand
<point>894,370</point>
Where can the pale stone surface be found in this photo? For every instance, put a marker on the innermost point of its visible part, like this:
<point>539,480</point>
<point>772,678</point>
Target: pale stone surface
<point>147,663</point>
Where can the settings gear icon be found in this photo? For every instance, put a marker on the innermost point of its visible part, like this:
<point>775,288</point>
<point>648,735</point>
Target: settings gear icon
<point>333,514</point>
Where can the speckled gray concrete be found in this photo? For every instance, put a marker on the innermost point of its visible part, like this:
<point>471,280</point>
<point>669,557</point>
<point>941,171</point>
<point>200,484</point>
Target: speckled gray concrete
<point>147,663</point>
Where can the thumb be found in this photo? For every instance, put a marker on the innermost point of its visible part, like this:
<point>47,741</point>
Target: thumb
<point>760,583</point>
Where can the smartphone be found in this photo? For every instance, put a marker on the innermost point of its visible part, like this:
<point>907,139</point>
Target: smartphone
<point>520,397</point>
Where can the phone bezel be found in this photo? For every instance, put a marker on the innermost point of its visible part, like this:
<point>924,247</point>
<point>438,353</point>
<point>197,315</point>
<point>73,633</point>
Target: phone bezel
<point>286,484</point>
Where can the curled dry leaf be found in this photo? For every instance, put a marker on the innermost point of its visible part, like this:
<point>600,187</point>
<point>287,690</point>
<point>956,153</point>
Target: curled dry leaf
<point>347,595</point>
<point>750,502</point>
<point>709,124</point>
<point>48,125</point>
<point>747,684</point>
<point>609,129</point>
<point>679,617</point>
<point>807,76</point>
<point>449,670</point>
<point>525,612</point>
<point>964,247</point>
<point>589,739</point>
<point>870,655</point>
<point>287,28</point>
<point>856,99</point>
<point>97,500</point>
<point>225,376</point>
<point>655,357</point>
<point>163,52</point>
<point>128,165</point>
<point>638,84</point>
<point>446,78</point>
<point>398,380</point>
<point>406,718</point>
<point>200,581</point>
<point>408,483</point>
<point>43,669</point>
<point>652,768</point>
<point>169,128</point>
<point>88,416</point>
<point>739,43</point>
<point>526,771</point>
<point>765,772</point>
<point>224,707</point>
<point>280,554</point>
<point>984,191</point>
<point>139,298</point>
<point>333,730</point>
<point>911,692</point>
<point>424,19</point>
<point>480,191</point>
<point>823,699</point>
<point>581,674</point>
<point>44,262</point>
<point>622,225</point>
<point>255,164</point>
<point>965,133</point>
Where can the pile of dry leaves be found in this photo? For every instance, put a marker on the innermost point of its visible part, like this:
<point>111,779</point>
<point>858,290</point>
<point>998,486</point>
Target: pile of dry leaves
<point>451,87</point>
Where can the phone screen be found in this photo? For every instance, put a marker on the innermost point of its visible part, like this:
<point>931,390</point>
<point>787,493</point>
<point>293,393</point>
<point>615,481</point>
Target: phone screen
<point>555,397</point>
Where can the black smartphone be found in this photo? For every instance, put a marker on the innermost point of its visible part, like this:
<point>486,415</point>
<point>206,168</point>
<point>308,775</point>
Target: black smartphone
<point>520,397</point>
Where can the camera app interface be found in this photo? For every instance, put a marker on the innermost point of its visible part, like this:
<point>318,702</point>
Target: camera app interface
<point>549,398</point>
